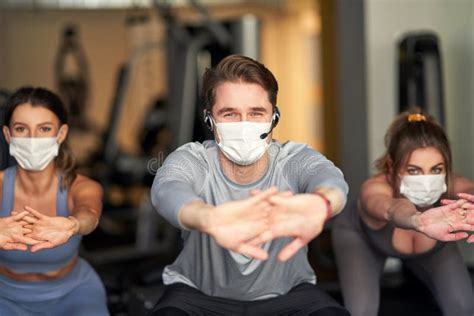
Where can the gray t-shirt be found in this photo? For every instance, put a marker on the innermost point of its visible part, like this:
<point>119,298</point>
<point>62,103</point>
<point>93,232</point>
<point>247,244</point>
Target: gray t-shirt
<point>193,172</point>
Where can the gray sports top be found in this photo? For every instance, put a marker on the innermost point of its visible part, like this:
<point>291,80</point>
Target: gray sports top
<point>193,172</point>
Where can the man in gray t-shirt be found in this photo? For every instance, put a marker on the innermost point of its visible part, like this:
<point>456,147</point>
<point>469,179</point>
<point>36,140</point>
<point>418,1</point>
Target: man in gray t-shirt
<point>247,206</point>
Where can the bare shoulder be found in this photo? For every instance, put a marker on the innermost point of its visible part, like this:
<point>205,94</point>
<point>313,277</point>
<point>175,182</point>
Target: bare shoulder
<point>460,184</point>
<point>375,185</point>
<point>373,194</point>
<point>82,183</point>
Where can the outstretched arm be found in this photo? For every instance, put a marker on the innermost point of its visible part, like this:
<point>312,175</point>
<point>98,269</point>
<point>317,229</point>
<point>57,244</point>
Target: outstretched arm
<point>322,194</point>
<point>301,216</point>
<point>442,223</point>
<point>232,224</point>
<point>56,230</point>
<point>87,200</point>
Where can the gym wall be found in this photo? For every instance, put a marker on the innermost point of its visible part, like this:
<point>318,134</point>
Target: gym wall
<point>453,21</point>
<point>290,48</point>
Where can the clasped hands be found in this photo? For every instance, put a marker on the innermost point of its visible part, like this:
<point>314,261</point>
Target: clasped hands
<point>244,225</point>
<point>29,227</point>
<point>450,222</point>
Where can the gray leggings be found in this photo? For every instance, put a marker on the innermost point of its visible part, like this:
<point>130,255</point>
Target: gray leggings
<point>360,268</point>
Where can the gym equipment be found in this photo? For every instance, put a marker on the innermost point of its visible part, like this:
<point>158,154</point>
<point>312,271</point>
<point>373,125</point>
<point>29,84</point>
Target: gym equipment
<point>190,50</point>
<point>72,76</point>
<point>155,136</point>
<point>136,231</point>
<point>420,77</point>
<point>129,233</point>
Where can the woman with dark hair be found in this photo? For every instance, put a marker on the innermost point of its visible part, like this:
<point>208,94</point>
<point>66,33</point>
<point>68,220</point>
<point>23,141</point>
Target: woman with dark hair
<point>399,214</point>
<point>45,209</point>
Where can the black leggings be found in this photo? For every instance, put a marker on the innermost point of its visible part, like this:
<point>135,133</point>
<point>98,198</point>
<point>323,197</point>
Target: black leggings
<point>303,300</point>
<point>173,311</point>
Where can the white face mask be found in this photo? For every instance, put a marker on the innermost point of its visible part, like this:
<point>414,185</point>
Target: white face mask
<point>423,190</point>
<point>34,153</point>
<point>240,141</point>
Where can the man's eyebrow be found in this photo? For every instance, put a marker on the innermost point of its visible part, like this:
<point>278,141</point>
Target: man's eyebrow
<point>259,109</point>
<point>226,109</point>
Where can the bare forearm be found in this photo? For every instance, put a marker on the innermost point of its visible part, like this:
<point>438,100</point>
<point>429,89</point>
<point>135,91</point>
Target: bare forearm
<point>402,214</point>
<point>335,198</point>
<point>86,220</point>
<point>195,215</point>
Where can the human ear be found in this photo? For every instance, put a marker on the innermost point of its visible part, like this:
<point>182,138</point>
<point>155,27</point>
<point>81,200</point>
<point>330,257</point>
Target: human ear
<point>6,134</point>
<point>62,134</point>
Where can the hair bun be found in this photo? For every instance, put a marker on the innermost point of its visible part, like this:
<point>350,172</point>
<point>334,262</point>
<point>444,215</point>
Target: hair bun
<point>417,117</point>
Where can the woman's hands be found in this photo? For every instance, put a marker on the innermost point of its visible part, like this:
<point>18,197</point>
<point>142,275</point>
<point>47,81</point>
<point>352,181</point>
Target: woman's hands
<point>51,231</point>
<point>465,210</point>
<point>13,233</point>
<point>39,230</point>
<point>449,222</point>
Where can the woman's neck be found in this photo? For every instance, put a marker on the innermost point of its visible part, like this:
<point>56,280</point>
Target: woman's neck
<point>36,182</point>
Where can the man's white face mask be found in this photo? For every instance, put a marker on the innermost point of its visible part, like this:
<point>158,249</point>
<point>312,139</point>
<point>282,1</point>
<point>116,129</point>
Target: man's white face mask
<point>423,190</point>
<point>240,141</point>
<point>34,153</point>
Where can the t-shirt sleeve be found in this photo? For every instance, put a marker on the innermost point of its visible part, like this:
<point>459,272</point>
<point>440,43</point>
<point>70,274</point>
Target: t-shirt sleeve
<point>308,170</point>
<point>177,182</point>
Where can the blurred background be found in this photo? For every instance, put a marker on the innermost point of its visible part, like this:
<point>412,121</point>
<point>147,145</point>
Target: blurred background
<point>130,73</point>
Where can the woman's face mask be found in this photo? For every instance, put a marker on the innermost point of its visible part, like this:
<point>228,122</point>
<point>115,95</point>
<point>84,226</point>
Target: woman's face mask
<point>34,153</point>
<point>34,136</point>
<point>241,143</point>
<point>423,190</point>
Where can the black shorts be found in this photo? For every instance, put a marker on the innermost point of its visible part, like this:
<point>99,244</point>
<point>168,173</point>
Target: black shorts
<point>304,299</point>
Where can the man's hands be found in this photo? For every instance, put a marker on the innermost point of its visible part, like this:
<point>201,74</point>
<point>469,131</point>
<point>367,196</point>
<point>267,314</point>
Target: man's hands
<point>30,227</point>
<point>234,224</point>
<point>242,226</point>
